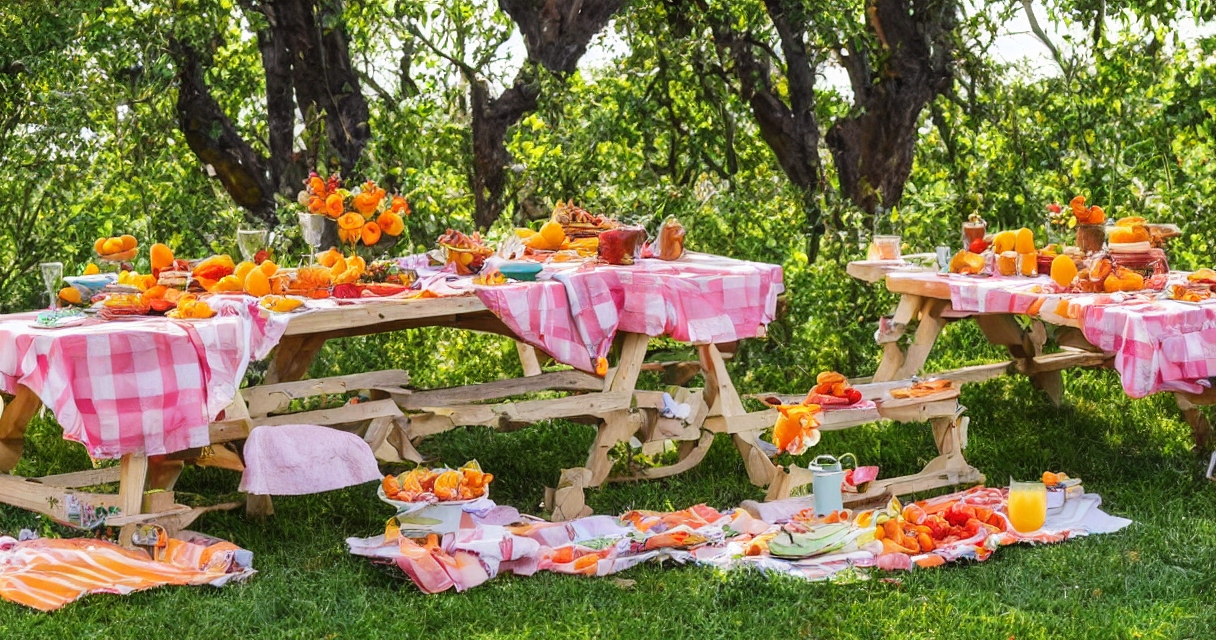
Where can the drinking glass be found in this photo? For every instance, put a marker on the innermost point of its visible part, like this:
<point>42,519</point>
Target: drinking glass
<point>888,247</point>
<point>1027,505</point>
<point>251,241</point>
<point>51,272</point>
<point>312,227</point>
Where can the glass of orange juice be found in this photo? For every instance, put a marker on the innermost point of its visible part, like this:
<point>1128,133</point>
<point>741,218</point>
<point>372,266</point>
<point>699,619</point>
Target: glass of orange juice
<point>1027,505</point>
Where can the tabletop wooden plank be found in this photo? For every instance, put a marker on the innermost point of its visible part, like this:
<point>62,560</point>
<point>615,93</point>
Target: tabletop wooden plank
<point>381,312</point>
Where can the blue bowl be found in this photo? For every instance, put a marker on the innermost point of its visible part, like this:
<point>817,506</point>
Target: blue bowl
<point>523,271</point>
<point>89,286</point>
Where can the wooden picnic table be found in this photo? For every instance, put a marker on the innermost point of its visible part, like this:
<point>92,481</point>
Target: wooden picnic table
<point>398,416</point>
<point>926,303</point>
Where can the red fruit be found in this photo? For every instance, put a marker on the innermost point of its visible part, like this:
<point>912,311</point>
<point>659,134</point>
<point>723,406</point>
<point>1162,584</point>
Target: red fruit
<point>261,256</point>
<point>1054,207</point>
<point>978,246</point>
<point>852,395</point>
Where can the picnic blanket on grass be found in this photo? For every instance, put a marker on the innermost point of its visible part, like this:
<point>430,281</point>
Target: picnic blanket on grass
<point>795,543</point>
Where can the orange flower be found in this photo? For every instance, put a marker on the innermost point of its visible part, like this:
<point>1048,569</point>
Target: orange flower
<point>317,185</point>
<point>351,221</point>
<point>797,428</point>
<point>333,205</point>
<point>400,206</point>
<point>349,236</point>
<point>391,223</point>
<point>316,204</point>
<point>366,203</point>
<point>371,233</point>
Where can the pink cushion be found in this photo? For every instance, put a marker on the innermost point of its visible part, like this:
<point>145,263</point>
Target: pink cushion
<point>298,459</point>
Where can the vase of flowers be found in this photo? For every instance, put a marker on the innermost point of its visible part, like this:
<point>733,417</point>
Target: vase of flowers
<point>365,220</point>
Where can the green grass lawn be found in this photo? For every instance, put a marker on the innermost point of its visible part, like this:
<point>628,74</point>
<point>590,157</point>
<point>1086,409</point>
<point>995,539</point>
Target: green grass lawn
<point>1154,579</point>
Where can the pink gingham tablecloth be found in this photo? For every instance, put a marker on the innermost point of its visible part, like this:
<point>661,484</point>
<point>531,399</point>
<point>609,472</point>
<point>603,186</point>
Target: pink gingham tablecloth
<point>699,299</point>
<point>1159,345</point>
<point>147,385</point>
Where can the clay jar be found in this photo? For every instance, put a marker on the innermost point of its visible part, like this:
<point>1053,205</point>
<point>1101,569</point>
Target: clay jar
<point>671,240</point>
<point>1091,238</point>
<point>622,245</point>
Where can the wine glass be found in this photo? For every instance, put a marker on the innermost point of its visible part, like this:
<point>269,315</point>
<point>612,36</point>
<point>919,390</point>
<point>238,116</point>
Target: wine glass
<point>312,227</point>
<point>51,273</point>
<point>251,241</point>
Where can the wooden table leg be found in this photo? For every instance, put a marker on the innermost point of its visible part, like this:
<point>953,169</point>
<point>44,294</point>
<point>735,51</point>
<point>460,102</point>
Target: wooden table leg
<point>292,357</point>
<point>723,400</point>
<point>131,480</point>
<point>529,358</point>
<point>1024,345</point>
<point>892,355</point>
<point>1201,429</point>
<point>618,426</point>
<point>14,420</point>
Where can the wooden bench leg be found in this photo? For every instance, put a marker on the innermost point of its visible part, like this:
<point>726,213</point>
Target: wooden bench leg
<point>1201,429</point>
<point>1003,330</point>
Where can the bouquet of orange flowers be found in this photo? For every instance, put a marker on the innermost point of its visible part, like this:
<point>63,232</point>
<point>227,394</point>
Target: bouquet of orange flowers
<point>366,216</point>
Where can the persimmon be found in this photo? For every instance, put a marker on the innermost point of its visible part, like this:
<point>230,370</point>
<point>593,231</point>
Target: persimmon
<point>370,234</point>
<point>1004,241</point>
<point>391,223</point>
<point>1063,270</point>
<point>257,284</point>
<point>161,256</point>
<point>70,295</point>
<point>333,205</point>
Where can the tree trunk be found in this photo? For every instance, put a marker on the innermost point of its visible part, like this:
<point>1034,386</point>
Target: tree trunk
<point>212,137</point>
<point>873,148</point>
<point>791,129</point>
<point>556,34</point>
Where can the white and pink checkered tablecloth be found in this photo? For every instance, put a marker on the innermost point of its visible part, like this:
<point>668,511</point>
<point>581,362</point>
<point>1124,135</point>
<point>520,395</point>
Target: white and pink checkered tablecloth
<point>700,299</point>
<point>144,385</point>
<point>1159,345</point>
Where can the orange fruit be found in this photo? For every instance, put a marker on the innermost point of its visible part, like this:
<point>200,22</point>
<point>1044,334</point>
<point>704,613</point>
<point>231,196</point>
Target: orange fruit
<point>553,234</point>
<point>257,284</point>
<point>243,269</point>
<point>128,242</point>
<point>391,223</point>
<point>1003,242</point>
<point>229,283</point>
<point>91,269</point>
<point>328,258</point>
<point>1030,263</point>
<point>70,295</point>
<point>111,246</point>
<point>268,267</point>
<point>161,256</point>
<point>100,246</point>
<point>371,233</point>
<point>1024,241</point>
<point>1096,215</point>
<point>1063,271</point>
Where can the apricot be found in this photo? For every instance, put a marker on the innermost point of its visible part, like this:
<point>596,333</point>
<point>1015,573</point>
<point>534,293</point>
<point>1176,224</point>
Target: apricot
<point>1063,271</point>
<point>100,246</point>
<point>1003,241</point>
<point>91,269</point>
<point>257,284</point>
<point>111,246</point>
<point>70,295</point>
<point>370,234</point>
<point>243,269</point>
<point>268,267</point>
<point>161,256</point>
<point>128,242</point>
<point>391,223</point>
<point>1024,242</point>
<point>1123,235</point>
<point>965,262</point>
